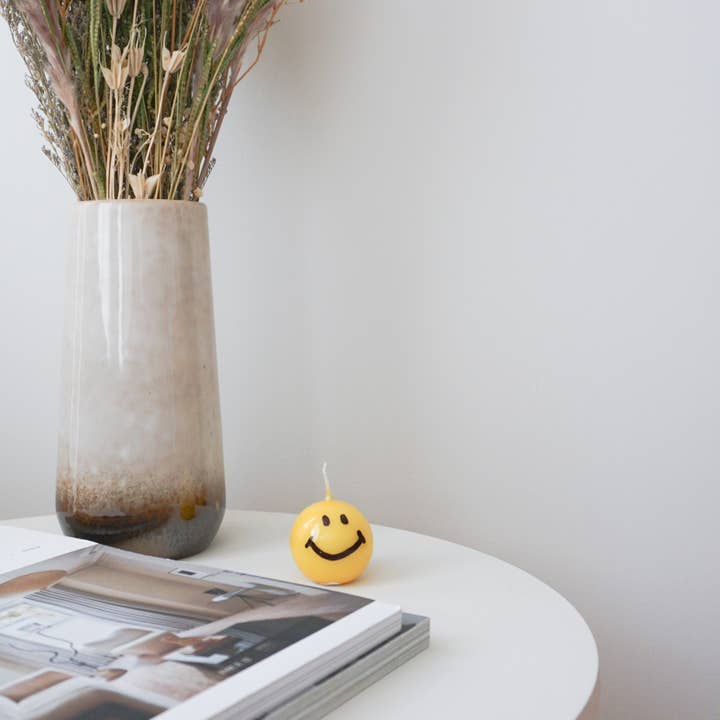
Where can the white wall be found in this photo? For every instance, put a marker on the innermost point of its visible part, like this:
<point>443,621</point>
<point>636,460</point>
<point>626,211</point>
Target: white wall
<point>469,254</point>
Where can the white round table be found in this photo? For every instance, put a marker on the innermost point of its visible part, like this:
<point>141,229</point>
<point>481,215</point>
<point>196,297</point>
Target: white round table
<point>502,644</point>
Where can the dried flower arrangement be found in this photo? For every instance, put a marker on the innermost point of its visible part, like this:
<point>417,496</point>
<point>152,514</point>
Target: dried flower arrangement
<point>132,93</point>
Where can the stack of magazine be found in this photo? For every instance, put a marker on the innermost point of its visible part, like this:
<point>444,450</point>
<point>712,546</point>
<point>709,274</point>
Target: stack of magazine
<point>94,633</point>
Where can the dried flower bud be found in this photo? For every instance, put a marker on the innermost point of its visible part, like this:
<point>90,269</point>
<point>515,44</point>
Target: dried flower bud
<point>118,56</point>
<point>143,187</point>
<point>135,53</point>
<point>172,61</point>
<point>135,61</point>
<point>116,75</point>
<point>116,7</point>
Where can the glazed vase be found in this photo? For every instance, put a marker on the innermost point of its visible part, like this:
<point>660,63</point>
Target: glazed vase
<point>140,458</point>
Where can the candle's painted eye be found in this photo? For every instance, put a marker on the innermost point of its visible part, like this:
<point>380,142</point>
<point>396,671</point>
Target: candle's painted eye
<point>343,519</point>
<point>326,520</point>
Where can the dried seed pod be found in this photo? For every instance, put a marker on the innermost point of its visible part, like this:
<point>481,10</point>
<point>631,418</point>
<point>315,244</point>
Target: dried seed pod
<point>116,7</point>
<point>172,61</point>
<point>135,53</point>
<point>117,74</point>
<point>143,187</point>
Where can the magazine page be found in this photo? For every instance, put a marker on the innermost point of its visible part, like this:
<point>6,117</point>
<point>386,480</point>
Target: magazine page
<point>20,547</point>
<point>100,633</point>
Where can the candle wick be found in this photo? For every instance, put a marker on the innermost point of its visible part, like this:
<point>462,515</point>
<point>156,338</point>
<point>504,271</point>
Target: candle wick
<point>328,494</point>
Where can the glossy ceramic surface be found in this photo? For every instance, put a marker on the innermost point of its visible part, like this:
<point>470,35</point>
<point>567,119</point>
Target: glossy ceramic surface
<point>140,459</point>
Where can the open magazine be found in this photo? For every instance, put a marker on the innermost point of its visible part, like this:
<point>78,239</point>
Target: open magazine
<point>91,633</point>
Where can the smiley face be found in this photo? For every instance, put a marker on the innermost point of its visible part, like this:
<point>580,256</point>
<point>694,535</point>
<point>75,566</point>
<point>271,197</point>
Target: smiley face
<point>331,542</point>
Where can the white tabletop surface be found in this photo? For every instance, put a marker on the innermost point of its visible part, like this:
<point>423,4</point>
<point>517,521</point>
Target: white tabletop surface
<point>503,644</point>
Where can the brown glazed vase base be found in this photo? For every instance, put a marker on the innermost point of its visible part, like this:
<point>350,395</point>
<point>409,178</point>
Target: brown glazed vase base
<point>163,533</point>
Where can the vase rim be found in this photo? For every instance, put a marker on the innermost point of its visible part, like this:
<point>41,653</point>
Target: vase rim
<point>133,201</point>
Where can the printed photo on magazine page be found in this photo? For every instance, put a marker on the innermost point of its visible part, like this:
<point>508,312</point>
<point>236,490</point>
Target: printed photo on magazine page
<point>102,633</point>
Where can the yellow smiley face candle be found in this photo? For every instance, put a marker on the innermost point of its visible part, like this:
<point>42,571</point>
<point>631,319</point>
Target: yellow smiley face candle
<point>331,541</point>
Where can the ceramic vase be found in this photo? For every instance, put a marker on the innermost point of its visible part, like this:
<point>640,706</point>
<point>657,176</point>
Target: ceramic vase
<point>140,459</point>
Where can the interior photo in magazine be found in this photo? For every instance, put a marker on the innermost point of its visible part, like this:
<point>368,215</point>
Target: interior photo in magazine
<point>98,633</point>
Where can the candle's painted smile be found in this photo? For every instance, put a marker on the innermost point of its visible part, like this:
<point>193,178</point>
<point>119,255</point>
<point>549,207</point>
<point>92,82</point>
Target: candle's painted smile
<point>337,556</point>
